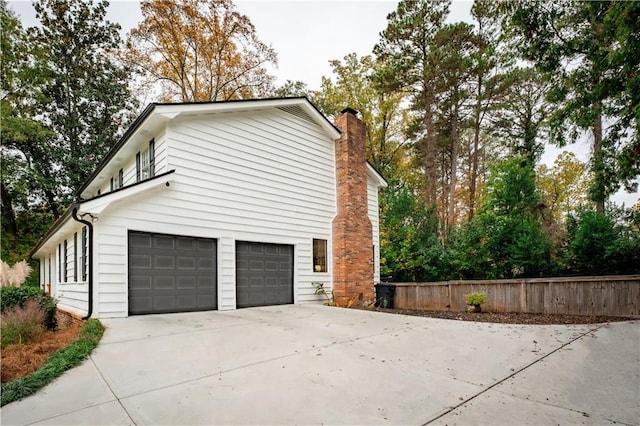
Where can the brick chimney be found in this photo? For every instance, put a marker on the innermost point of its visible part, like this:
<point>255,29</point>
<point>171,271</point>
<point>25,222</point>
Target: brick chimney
<point>352,234</point>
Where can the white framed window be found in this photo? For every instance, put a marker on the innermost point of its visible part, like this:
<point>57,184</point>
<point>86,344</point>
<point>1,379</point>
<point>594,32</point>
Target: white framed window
<point>145,163</point>
<point>319,255</point>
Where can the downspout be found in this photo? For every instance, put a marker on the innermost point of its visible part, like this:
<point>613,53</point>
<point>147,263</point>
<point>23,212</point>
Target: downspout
<point>74,214</point>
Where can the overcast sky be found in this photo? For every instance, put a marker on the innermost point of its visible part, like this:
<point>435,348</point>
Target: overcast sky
<point>308,34</point>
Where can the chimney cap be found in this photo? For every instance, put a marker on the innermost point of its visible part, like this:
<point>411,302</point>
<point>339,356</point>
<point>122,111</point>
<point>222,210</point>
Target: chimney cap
<point>350,111</point>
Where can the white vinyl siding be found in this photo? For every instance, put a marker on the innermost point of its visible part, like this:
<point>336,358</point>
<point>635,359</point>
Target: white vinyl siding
<point>261,176</point>
<point>71,295</point>
<point>372,190</point>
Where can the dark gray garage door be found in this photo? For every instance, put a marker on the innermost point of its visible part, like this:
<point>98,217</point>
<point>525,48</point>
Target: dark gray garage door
<point>264,274</point>
<point>170,273</point>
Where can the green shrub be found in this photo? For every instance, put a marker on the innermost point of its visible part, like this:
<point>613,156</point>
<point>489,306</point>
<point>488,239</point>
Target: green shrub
<point>475,299</point>
<point>21,324</point>
<point>17,296</point>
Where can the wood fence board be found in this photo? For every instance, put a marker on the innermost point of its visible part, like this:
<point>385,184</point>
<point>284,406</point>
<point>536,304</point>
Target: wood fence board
<point>610,295</point>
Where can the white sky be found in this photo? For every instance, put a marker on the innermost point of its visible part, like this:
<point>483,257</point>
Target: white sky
<point>308,34</point>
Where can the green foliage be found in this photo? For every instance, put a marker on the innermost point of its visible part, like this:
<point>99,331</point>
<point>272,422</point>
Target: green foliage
<point>410,247</point>
<point>382,114</point>
<point>601,244</point>
<point>11,297</point>
<point>85,117</point>
<point>21,324</point>
<point>476,298</point>
<point>506,239</point>
<point>65,99</point>
<point>57,364</point>
<point>320,290</point>
<point>600,41</point>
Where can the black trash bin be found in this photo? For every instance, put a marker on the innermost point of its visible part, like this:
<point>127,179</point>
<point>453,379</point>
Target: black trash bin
<point>384,295</point>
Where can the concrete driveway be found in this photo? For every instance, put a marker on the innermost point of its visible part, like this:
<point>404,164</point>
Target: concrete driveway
<point>314,364</point>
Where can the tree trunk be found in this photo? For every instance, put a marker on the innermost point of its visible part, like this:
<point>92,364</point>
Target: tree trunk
<point>9,217</point>
<point>598,162</point>
<point>429,157</point>
<point>474,153</point>
<point>454,169</point>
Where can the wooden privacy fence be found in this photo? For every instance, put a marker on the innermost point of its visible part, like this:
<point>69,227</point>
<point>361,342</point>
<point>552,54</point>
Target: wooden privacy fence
<point>608,295</point>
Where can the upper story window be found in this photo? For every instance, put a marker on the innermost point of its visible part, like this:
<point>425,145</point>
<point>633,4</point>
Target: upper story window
<point>146,163</point>
<point>319,255</point>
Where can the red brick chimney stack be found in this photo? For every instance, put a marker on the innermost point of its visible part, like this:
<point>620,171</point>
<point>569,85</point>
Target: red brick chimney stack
<point>352,234</point>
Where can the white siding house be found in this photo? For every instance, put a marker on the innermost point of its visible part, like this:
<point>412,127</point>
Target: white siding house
<point>204,206</point>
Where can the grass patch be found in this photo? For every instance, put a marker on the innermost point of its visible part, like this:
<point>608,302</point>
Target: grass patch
<point>58,363</point>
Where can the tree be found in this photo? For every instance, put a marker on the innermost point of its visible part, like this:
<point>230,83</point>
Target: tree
<point>200,51</point>
<point>520,115</point>
<point>381,112</point>
<point>410,248</point>
<point>29,180</point>
<point>405,50</point>
<point>88,102</point>
<point>292,88</point>
<point>506,238</point>
<point>563,187</point>
<point>488,60</point>
<point>453,46</point>
<point>583,47</point>
<point>602,244</point>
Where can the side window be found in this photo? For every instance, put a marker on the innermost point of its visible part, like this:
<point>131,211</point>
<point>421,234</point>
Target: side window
<point>120,179</point>
<point>146,162</point>
<point>319,255</point>
<point>111,185</point>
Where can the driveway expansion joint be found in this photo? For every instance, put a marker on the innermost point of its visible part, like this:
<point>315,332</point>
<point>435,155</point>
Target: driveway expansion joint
<point>513,374</point>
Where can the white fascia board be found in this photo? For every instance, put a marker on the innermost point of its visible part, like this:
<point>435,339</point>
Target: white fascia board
<point>377,178</point>
<point>173,110</point>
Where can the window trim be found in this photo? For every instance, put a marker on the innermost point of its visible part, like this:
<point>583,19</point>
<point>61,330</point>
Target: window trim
<point>317,265</point>
<point>66,263</point>
<point>138,167</point>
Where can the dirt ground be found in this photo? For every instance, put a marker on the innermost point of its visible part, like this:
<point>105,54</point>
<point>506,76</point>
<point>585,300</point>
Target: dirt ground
<point>19,360</point>
<point>509,318</point>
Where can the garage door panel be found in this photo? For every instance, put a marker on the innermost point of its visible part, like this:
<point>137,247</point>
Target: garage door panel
<point>206,264</point>
<point>263,274</point>
<point>140,261</point>
<point>165,274</point>
<point>165,283</point>
<point>186,244</point>
<point>166,242</point>
<point>184,262</point>
<point>140,283</point>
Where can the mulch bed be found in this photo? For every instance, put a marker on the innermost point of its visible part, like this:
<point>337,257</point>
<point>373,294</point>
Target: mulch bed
<point>19,360</point>
<point>510,318</point>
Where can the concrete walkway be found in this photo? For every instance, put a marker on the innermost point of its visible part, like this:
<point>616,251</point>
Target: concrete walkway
<point>313,364</point>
